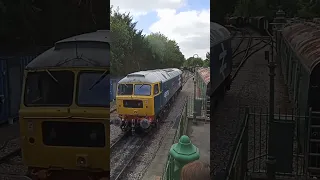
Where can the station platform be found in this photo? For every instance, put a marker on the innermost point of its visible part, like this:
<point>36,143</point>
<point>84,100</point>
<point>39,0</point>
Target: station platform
<point>200,137</point>
<point>156,168</point>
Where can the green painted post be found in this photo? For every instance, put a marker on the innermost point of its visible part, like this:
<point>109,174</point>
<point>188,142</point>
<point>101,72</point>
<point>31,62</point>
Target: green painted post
<point>194,97</point>
<point>181,126</point>
<point>183,153</point>
<point>186,119</point>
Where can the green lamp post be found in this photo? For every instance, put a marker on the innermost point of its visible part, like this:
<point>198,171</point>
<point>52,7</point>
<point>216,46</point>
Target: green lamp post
<point>183,153</point>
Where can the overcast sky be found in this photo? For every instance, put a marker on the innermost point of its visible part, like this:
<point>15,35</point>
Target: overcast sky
<point>185,21</point>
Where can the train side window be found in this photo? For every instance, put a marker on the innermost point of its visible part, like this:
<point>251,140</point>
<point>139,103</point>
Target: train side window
<point>156,89</point>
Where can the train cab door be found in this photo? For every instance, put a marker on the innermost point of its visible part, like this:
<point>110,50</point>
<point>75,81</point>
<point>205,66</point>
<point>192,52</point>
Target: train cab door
<point>157,91</point>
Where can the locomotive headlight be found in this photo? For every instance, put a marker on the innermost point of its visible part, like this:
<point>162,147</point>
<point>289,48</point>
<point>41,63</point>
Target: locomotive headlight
<point>144,123</point>
<point>116,121</point>
<point>82,161</point>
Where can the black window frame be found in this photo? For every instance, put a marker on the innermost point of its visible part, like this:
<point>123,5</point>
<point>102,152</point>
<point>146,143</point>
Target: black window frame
<point>154,87</point>
<point>47,105</point>
<point>77,89</point>
<point>134,89</point>
<point>126,85</point>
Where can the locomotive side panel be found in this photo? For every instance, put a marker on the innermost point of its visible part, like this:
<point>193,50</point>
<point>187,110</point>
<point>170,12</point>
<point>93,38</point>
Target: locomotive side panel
<point>170,87</point>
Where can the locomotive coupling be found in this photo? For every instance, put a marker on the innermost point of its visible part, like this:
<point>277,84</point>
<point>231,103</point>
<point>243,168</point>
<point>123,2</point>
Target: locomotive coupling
<point>144,123</point>
<point>116,121</point>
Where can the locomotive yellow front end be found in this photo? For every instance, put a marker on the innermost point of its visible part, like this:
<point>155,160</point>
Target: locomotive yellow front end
<point>64,118</point>
<point>135,106</point>
<point>64,122</point>
<point>144,98</point>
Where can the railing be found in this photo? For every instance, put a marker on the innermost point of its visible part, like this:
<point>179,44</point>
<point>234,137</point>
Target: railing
<point>250,154</point>
<point>200,109</point>
<point>183,124</point>
<point>237,165</point>
<point>181,130</point>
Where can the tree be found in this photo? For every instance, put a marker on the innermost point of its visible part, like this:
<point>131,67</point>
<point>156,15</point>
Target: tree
<point>192,62</point>
<point>132,51</point>
<point>206,62</point>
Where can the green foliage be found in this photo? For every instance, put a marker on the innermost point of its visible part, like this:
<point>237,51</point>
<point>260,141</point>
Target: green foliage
<point>206,62</point>
<point>197,62</point>
<point>132,51</point>
<point>193,62</point>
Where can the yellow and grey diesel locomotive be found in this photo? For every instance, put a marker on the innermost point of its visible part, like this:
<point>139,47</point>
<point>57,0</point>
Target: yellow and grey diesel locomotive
<point>144,97</point>
<point>65,110</point>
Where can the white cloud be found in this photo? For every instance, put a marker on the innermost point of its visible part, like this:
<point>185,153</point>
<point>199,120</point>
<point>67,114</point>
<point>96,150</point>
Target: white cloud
<point>142,7</point>
<point>190,29</point>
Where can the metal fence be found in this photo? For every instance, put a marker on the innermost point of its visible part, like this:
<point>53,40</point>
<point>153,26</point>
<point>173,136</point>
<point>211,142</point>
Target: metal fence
<point>198,107</point>
<point>113,88</point>
<point>181,130</point>
<point>288,144</point>
<point>12,71</point>
<point>11,78</point>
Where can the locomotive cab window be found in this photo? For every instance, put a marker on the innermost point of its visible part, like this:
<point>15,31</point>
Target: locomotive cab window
<point>156,89</point>
<point>92,88</point>
<point>125,89</point>
<point>49,88</point>
<point>142,89</point>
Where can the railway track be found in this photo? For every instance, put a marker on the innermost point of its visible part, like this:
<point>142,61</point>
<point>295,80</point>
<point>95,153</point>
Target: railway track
<point>122,153</point>
<point>9,154</point>
<point>248,89</point>
<point>7,159</point>
<point>14,176</point>
<point>249,50</point>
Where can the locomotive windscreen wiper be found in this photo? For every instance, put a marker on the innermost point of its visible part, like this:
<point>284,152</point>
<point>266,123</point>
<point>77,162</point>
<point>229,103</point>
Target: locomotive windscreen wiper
<point>55,80</point>
<point>121,93</point>
<point>141,86</point>
<point>100,79</point>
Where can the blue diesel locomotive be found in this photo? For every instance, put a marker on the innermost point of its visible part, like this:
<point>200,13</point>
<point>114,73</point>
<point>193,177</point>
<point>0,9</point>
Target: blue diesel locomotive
<point>144,97</point>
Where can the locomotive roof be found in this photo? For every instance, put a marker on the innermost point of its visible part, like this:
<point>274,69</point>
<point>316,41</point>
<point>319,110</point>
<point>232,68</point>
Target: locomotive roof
<point>151,76</point>
<point>218,34</point>
<point>85,50</point>
<point>304,39</point>
<point>204,74</point>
